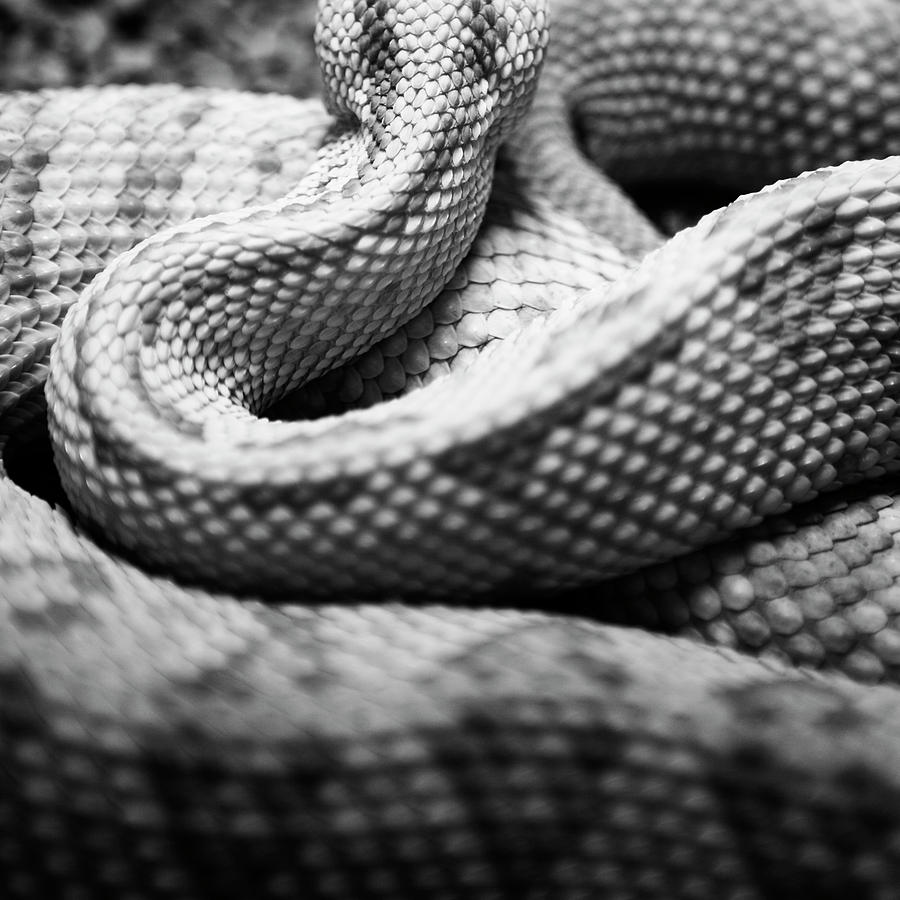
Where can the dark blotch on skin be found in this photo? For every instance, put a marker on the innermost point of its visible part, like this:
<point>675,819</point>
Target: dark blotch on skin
<point>525,850</point>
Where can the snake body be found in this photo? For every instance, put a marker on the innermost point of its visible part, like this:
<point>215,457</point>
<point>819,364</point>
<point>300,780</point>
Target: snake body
<point>225,670</point>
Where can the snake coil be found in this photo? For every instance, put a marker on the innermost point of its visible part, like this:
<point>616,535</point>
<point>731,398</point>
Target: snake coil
<point>236,662</point>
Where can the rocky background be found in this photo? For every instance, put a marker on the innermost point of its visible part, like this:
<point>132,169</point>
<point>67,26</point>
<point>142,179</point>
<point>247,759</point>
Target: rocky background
<point>262,45</point>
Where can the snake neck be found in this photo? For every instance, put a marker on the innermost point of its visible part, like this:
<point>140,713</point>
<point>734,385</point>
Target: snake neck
<point>361,246</point>
<point>233,311</point>
<point>240,309</point>
<point>176,347</point>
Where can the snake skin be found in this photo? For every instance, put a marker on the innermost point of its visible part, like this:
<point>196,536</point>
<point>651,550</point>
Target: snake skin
<point>365,679</point>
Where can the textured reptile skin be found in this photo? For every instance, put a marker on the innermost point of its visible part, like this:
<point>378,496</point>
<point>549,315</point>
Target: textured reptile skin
<point>164,739</point>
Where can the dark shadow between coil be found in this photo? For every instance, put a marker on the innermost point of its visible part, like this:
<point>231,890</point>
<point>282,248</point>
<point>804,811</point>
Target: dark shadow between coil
<point>26,454</point>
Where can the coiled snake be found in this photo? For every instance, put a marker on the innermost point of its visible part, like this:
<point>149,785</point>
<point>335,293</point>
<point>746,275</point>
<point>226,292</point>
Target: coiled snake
<point>271,658</point>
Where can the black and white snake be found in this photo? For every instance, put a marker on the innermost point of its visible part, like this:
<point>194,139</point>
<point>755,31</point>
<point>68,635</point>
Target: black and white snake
<point>336,655</point>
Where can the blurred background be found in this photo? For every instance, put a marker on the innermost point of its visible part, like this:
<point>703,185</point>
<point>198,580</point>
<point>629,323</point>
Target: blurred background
<point>261,45</point>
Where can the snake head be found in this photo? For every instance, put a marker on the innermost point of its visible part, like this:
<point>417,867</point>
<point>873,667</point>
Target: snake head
<point>450,64</point>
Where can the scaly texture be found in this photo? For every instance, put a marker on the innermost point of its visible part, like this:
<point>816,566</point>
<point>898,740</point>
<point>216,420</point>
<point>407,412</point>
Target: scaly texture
<point>560,418</point>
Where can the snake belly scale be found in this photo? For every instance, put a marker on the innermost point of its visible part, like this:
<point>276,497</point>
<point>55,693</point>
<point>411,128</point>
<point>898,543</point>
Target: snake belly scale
<point>240,663</point>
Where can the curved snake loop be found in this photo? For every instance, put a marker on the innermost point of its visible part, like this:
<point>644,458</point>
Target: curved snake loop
<point>223,672</point>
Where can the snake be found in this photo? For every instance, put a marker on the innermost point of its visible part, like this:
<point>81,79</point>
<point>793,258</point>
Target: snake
<point>426,524</point>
